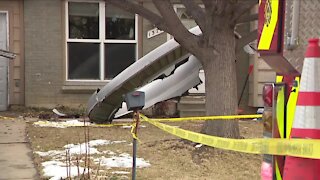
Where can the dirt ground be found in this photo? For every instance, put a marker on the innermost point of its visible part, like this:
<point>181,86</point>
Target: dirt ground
<point>169,156</point>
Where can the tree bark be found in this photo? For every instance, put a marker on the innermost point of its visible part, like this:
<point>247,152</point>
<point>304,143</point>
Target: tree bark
<point>221,87</point>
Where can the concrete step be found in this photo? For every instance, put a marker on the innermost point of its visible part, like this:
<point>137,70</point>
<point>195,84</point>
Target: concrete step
<point>193,98</point>
<point>191,102</point>
<point>191,106</point>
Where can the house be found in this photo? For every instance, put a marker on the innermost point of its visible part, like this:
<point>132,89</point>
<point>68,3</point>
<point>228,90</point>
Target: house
<point>66,49</point>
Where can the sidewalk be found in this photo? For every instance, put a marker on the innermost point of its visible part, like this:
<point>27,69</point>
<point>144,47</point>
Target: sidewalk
<point>15,154</point>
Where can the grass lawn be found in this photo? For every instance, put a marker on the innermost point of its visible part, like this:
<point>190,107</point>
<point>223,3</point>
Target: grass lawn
<point>169,157</point>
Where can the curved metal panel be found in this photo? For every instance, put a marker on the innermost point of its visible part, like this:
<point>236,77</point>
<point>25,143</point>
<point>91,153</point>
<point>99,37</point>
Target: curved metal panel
<point>104,103</point>
<point>183,78</point>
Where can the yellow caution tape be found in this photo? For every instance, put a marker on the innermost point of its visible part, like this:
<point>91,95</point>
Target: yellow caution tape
<point>211,118</point>
<point>134,126</point>
<point>306,148</point>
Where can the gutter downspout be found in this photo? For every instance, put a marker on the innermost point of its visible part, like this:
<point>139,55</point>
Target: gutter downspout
<point>292,38</point>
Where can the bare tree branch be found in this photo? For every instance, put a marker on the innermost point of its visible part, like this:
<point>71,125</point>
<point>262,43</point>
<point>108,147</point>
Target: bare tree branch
<point>246,40</point>
<point>196,12</point>
<point>177,29</point>
<point>136,8</point>
<point>243,6</point>
<point>247,18</point>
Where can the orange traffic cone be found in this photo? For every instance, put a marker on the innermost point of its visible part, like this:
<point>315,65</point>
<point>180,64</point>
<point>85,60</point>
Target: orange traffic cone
<point>307,116</point>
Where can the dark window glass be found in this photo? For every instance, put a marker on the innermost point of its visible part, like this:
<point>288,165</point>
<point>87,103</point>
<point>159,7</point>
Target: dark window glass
<point>83,20</point>
<point>119,24</point>
<point>118,57</point>
<point>83,60</point>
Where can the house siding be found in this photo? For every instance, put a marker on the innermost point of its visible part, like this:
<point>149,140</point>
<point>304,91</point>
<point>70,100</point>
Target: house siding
<point>44,47</point>
<point>154,42</point>
<point>262,73</point>
<point>16,42</point>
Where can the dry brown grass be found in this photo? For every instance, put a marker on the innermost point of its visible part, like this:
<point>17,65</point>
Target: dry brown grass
<point>169,156</point>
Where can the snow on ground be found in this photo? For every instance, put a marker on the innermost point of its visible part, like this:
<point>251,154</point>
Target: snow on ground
<point>72,123</point>
<point>126,127</point>
<point>120,172</point>
<point>123,160</point>
<point>61,124</point>
<point>77,149</point>
<point>57,170</point>
<point>56,167</point>
<point>129,127</point>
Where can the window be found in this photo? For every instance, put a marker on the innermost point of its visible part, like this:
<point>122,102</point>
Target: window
<point>101,40</point>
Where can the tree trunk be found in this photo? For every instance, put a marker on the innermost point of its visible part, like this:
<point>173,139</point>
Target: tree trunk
<point>221,86</point>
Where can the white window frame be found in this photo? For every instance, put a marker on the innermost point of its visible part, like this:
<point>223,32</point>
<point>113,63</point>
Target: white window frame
<point>102,40</point>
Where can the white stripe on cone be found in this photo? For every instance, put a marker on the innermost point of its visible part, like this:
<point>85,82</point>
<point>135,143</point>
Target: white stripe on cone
<point>310,80</point>
<point>306,117</point>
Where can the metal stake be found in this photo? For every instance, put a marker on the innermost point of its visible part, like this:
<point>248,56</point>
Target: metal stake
<point>134,144</point>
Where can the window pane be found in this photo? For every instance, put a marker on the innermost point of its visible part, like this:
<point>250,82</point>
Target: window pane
<point>119,24</point>
<point>83,60</point>
<point>118,57</point>
<point>83,20</point>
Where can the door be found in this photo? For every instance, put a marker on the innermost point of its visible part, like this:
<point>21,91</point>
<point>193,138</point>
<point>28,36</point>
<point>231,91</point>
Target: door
<point>3,62</point>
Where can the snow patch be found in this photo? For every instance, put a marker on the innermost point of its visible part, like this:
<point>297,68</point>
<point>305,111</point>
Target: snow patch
<point>78,149</point>
<point>120,172</point>
<point>56,170</point>
<point>129,127</point>
<point>198,145</point>
<point>62,124</point>
<point>124,160</point>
